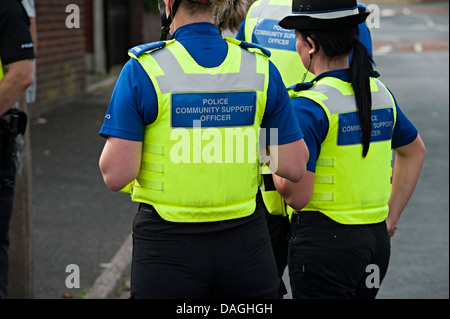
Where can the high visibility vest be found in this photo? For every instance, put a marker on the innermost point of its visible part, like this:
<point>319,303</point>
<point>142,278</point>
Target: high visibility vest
<point>200,156</point>
<point>348,188</point>
<point>2,74</point>
<point>261,27</point>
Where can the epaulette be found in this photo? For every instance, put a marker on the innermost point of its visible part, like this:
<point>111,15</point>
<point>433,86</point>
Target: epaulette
<point>301,86</point>
<point>138,50</point>
<point>247,45</point>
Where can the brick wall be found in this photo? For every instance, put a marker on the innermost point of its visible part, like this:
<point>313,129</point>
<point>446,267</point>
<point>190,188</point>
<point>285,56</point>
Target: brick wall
<point>144,26</point>
<point>60,55</point>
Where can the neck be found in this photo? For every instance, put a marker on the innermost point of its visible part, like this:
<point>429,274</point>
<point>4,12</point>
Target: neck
<point>320,65</point>
<point>182,18</point>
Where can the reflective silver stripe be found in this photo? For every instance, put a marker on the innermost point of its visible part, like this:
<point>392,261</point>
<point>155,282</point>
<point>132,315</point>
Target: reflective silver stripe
<point>248,62</point>
<point>210,82</point>
<point>167,62</point>
<point>336,102</point>
<point>176,80</point>
<point>381,98</point>
<point>274,12</point>
<point>339,103</point>
<point>328,15</point>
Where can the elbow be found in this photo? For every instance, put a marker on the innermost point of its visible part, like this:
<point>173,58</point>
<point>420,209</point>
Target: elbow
<point>290,200</point>
<point>423,151</point>
<point>294,205</point>
<point>293,175</point>
<point>25,75</point>
<point>298,174</point>
<point>420,148</point>
<point>27,81</point>
<point>114,184</point>
<point>297,201</point>
<point>112,181</point>
<point>296,195</point>
<point>293,194</point>
<point>109,181</point>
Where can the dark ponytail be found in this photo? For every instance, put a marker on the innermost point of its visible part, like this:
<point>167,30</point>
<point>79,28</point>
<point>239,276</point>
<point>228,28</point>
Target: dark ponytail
<point>360,68</point>
<point>337,43</point>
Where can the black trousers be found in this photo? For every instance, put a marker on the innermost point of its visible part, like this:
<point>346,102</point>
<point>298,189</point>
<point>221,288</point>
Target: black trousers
<point>220,260</point>
<point>279,230</point>
<point>328,260</point>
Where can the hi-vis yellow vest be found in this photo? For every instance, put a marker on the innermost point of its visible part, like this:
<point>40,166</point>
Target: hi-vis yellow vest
<point>200,156</point>
<point>348,188</point>
<point>1,70</point>
<point>261,27</point>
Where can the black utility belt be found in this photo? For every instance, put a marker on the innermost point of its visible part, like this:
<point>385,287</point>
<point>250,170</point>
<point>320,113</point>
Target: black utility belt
<point>13,123</point>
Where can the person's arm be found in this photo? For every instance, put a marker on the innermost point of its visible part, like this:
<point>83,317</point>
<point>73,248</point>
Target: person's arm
<point>296,195</point>
<point>19,76</point>
<point>133,105</point>
<point>289,160</point>
<point>407,167</point>
<point>315,126</point>
<point>120,162</point>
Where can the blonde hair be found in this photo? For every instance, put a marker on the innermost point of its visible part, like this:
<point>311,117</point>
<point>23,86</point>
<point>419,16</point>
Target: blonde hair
<point>228,14</point>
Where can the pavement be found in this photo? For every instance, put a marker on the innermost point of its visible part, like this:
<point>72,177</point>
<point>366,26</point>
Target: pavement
<point>77,220</point>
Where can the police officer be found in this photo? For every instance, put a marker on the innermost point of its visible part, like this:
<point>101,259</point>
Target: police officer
<point>183,127</point>
<point>345,210</point>
<point>16,74</point>
<point>261,27</point>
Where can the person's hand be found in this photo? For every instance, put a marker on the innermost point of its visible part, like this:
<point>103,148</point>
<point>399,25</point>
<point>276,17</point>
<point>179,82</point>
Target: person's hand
<point>391,226</point>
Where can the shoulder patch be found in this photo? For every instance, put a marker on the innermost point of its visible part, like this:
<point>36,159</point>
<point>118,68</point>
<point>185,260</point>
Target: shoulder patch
<point>138,50</point>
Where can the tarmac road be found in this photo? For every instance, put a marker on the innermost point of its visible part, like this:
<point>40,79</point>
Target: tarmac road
<point>77,220</point>
<point>419,266</point>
